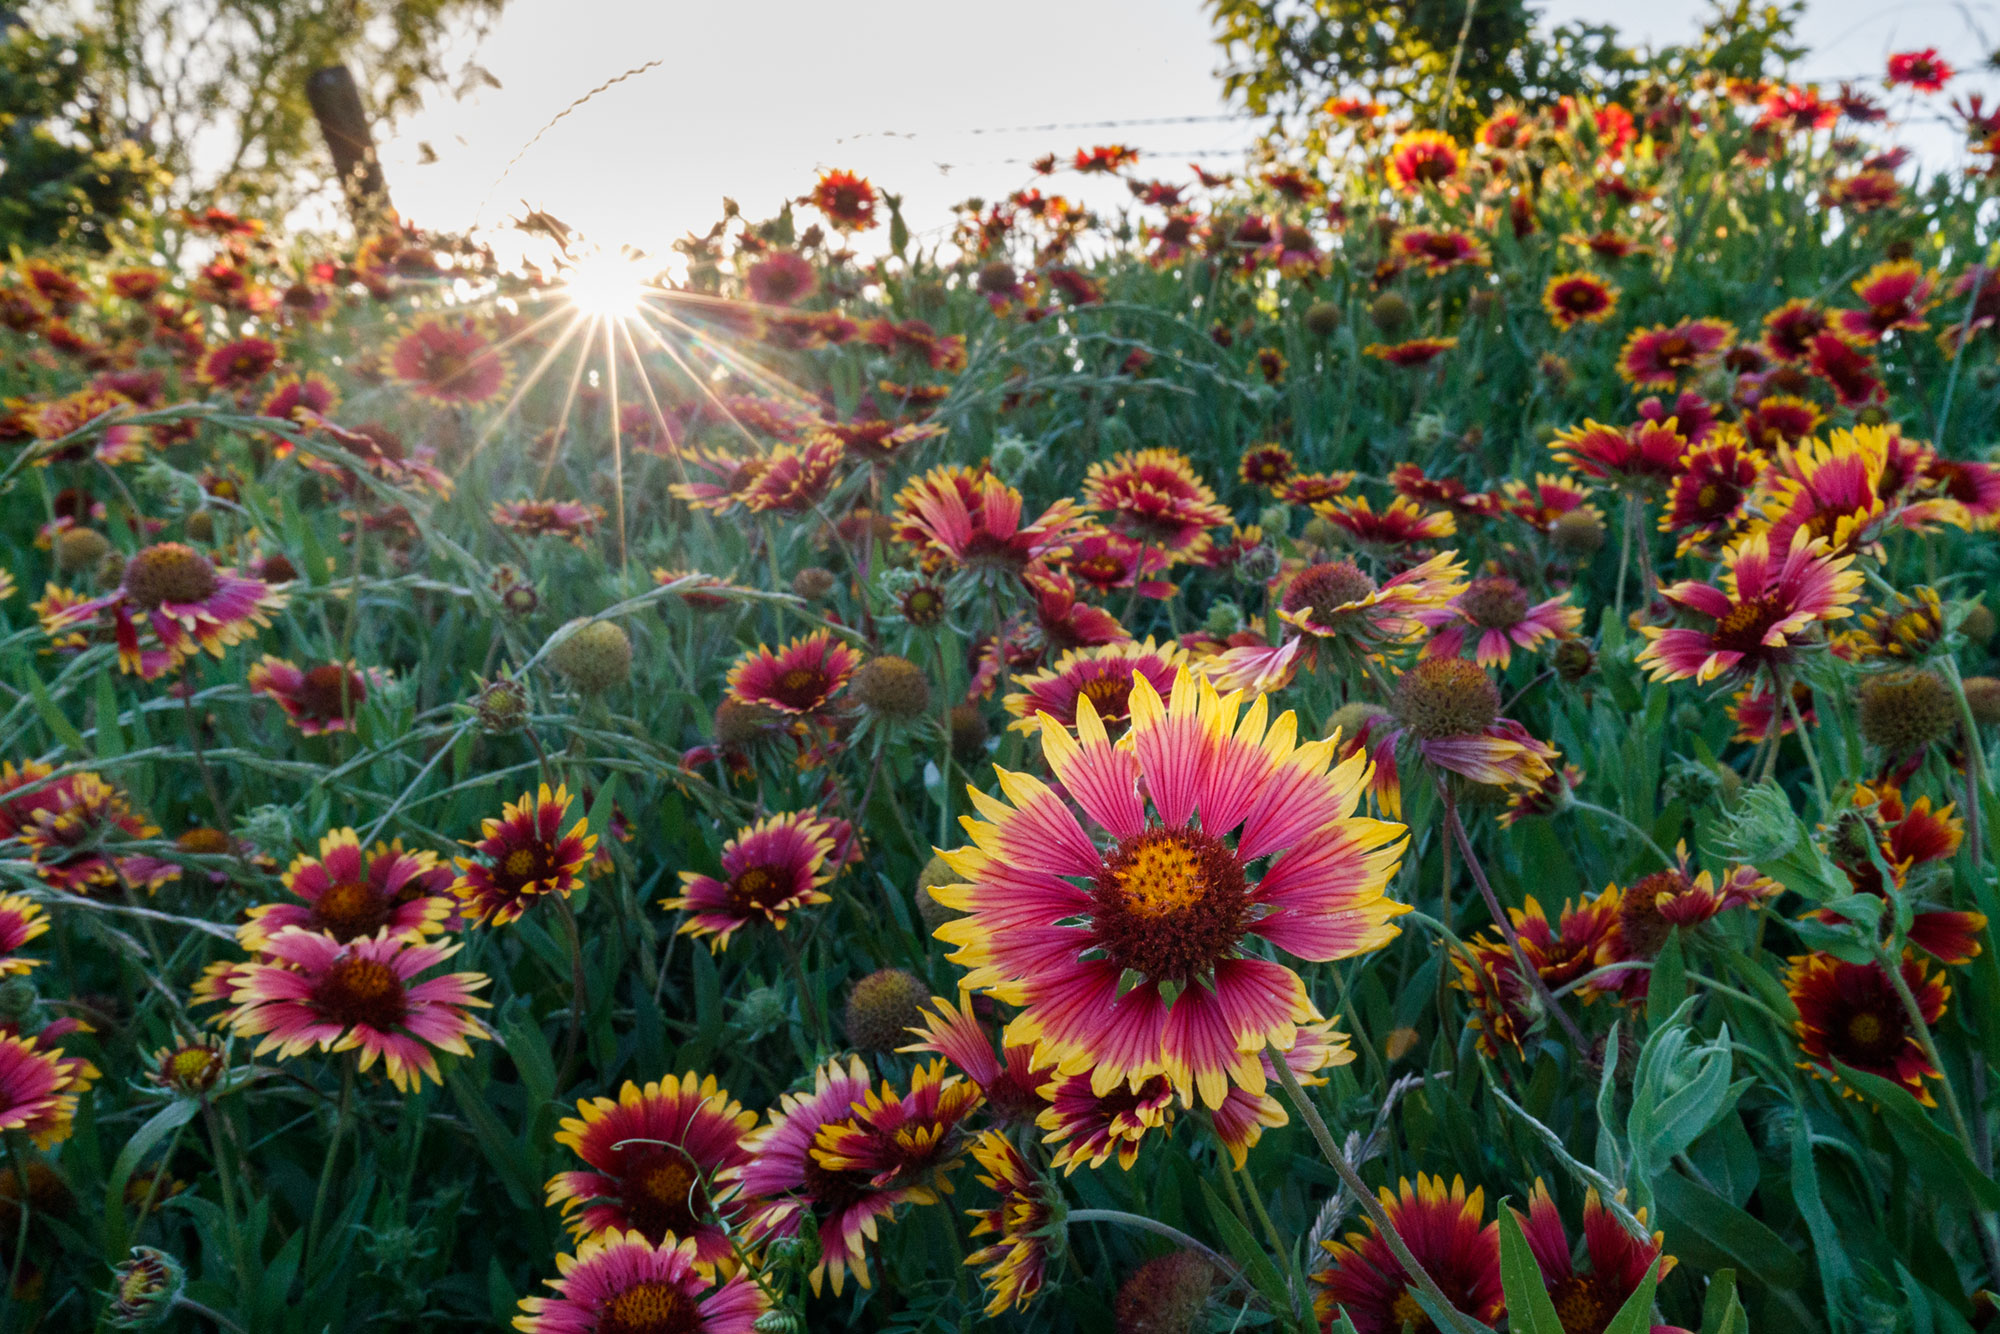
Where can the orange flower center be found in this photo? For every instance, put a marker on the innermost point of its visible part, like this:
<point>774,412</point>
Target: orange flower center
<point>1110,694</point>
<point>349,909</point>
<point>1170,903</point>
<point>655,1307</point>
<point>1865,1029</point>
<point>519,864</point>
<point>759,889</point>
<point>169,572</point>
<point>362,991</point>
<point>1405,1313</point>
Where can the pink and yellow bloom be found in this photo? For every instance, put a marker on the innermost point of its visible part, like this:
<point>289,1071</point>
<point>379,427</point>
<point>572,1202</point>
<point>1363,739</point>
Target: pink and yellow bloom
<point>800,679</point>
<point>1060,914</point>
<point>1760,617</point>
<point>309,990</point>
<point>318,699</point>
<point>1103,674</point>
<point>1156,496</point>
<point>21,920</point>
<point>187,604</point>
<point>1496,617</point>
<point>38,1090</point>
<point>973,519</point>
<point>348,893</point>
<point>1441,1226</point>
<point>770,870</point>
<point>621,1283</point>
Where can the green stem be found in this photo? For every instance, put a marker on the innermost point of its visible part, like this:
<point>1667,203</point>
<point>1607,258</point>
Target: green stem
<point>579,1001</point>
<point>26,1205</point>
<point>1158,1229</point>
<point>1784,689</point>
<point>341,1118</point>
<point>226,1178</point>
<point>1637,832</point>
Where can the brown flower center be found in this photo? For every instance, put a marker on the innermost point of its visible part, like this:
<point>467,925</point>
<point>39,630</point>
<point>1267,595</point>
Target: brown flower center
<point>1495,603</point>
<point>654,1307</point>
<point>1743,627</point>
<point>1639,920</point>
<point>1446,697</point>
<point>663,1193</point>
<point>321,693</point>
<point>169,572</point>
<point>801,688</point>
<point>349,909</point>
<point>1326,589</point>
<point>1170,903</point>
<point>1110,693</point>
<point>362,991</point>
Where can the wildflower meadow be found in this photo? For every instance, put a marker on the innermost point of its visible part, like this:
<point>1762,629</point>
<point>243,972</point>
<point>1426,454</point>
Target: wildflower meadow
<point>1398,739</point>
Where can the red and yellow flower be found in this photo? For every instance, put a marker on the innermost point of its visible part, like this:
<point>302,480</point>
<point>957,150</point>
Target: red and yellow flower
<point>1424,159</point>
<point>348,893</point>
<point>1341,611</point>
<point>449,362</point>
<point>973,519</point>
<point>1761,617</point>
<point>770,870</point>
<point>21,920</point>
<point>800,679</point>
<point>1441,1227</point>
<point>1103,675</point>
<point>1658,357</point>
<point>319,699</point>
<point>1411,352</point>
<point>1440,249</point>
<point>1895,295</point>
<point>1578,298</point>
<point>1156,496</point>
<point>1586,1300</point>
<point>522,857</point>
<point>1711,495</point>
<point>1023,1224</point>
<point>38,1089</point>
<point>572,520</point>
<point>1058,915</point>
<point>187,604</point>
<point>654,1155</point>
<point>1850,1014</point>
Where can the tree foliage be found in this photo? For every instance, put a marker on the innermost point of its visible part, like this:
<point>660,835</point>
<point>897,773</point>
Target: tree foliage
<point>216,88</point>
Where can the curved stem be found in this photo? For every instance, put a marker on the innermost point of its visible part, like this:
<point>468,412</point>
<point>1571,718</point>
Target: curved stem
<point>1158,1229</point>
<point>579,1000</point>
<point>1639,833</point>
<point>1784,689</point>
<point>1385,1226</point>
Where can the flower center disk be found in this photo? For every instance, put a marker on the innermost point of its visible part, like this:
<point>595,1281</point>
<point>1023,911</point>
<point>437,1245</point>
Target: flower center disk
<point>1170,903</point>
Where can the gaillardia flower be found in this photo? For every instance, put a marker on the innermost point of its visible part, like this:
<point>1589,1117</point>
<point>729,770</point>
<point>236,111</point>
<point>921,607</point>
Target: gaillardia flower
<point>1850,1013</point>
<point>318,699</point>
<point>1759,617</point>
<point>1578,298</point>
<point>21,920</point>
<point>1423,158</point>
<point>973,519</point>
<point>522,856</point>
<point>38,1089</point>
<point>1657,358</point>
<point>1061,916</point>
<point>1156,496</point>
<point>800,678</point>
<point>1495,616</point>
<point>1367,1283</point>
<point>347,894</point>
<point>1586,1300</point>
<point>770,870</point>
<point>653,1156</point>
<point>183,599</point>
<point>1022,1225</point>
<point>620,1283</point>
<point>1102,674</point>
<point>309,990</point>
<point>450,363</point>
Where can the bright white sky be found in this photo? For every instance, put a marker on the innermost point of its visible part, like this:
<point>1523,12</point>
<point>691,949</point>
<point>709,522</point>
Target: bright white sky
<point>928,98</point>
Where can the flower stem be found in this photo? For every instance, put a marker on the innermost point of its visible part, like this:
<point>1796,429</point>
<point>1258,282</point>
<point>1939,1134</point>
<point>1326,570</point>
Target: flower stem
<point>1158,1229</point>
<point>1530,974</point>
<point>340,1120</point>
<point>1637,832</point>
<point>579,1000</point>
<point>1385,1226</point>
<point>1784,689</point>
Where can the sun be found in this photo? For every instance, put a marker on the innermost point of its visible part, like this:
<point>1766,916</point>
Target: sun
<point>608,284</point>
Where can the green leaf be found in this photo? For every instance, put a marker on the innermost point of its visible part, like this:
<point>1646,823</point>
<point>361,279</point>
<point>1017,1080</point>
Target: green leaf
<point>500,1148</point>
<point>52,717</point>
<point>1529,1307</point>
<point>522,1037</point>
<point>1636,1315</point>
<point>1932,1150</point>
<point>1693,1209</point>
<point>1668,986</point>
<point>1721,1310</point>
<point>163,1123</point>
<point>1236,1239</point>
<point>110,742</point>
